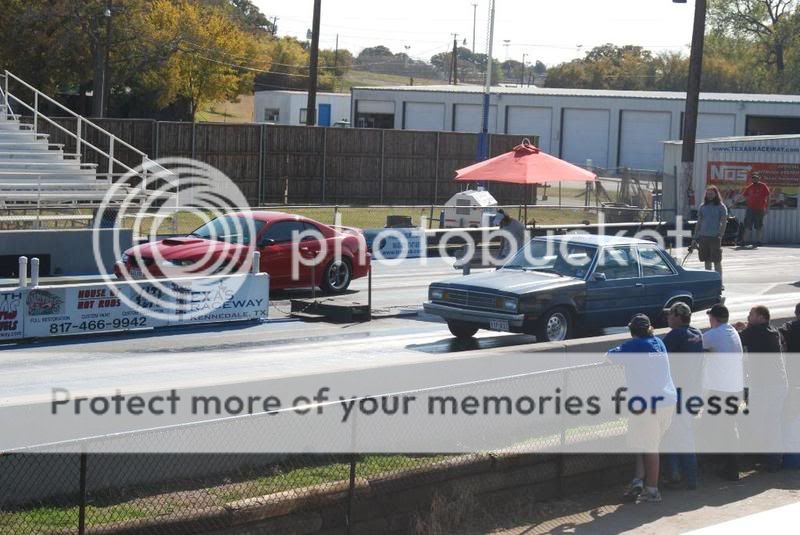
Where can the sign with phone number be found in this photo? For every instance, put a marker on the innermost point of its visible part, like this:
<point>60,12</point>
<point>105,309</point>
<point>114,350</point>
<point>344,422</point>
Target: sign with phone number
<point>94,308</point>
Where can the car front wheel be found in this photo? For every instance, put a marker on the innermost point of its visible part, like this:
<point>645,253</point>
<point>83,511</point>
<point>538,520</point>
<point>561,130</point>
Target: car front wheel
<point>461,330</point>
<point>337,276</point>
<point>554,326</point>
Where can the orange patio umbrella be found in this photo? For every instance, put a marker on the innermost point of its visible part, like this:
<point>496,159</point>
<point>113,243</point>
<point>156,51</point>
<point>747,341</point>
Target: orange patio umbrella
<point>527,165</point>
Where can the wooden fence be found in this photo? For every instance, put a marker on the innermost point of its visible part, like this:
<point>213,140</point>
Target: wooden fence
<point>309,165</point>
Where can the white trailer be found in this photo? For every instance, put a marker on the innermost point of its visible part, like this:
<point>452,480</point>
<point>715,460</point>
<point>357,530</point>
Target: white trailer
<point>470,209</point>
<point>728,163</point>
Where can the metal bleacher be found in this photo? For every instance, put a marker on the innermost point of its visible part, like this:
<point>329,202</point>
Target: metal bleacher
<point>42,185</point>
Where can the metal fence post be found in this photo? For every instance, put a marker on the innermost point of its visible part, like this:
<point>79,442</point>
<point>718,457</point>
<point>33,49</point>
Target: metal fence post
<point>79,131</point>
<point>383,152</point>
<point>436,170</point>
<point>82,497</point>
<point>260,192</point>
<point>351,491</point>
<point>324,162</point>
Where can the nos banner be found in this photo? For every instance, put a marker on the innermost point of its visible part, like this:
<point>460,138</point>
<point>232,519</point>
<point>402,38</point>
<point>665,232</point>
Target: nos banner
<point>731,178</point>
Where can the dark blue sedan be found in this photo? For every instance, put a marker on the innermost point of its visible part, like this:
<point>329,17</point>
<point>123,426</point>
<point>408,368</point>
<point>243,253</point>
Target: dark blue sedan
<point>557,285</point>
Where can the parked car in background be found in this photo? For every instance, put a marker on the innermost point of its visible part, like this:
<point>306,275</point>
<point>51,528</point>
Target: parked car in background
<point>271,234</point>
<point>558,284</point>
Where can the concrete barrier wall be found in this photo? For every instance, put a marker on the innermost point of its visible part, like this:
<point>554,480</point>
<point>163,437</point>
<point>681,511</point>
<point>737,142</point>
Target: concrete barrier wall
<point>70,250</point>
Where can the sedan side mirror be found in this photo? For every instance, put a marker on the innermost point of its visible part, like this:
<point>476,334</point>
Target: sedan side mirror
<point>600,276</point>
<point>268,242</point>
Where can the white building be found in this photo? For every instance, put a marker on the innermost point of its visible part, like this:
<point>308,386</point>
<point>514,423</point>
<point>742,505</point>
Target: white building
<point>612,128</point>
<point>289,107</point>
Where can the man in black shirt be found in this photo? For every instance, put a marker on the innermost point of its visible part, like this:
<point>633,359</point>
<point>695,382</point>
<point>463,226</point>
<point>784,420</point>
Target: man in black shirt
<point>765,374</point>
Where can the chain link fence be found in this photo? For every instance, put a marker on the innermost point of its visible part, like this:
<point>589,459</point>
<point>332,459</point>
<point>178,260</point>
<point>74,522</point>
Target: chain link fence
<point>92,492</point>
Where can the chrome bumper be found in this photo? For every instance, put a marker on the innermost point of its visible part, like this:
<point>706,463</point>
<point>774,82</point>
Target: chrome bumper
<point>480,317</point>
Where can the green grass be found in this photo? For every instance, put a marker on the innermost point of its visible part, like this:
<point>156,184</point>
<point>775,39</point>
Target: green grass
<point>375,79</point>
<point>48,519</point>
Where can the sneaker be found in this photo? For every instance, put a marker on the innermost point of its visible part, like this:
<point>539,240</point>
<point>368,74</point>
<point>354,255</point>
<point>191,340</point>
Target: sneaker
<point>635,488</point>
<point>650,496</point>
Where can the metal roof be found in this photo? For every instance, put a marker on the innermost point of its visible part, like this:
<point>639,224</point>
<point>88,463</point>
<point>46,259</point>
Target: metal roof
<point>595,239</point>
<point>735,139</point>
<point>561,92</point>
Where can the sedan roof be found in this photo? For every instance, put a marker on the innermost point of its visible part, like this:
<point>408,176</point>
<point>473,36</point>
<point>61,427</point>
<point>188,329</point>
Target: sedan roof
<point>596,240</point>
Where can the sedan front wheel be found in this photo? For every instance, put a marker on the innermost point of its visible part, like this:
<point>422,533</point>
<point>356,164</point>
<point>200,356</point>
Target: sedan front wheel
<point>461,330</point>
<point>555,326</point>
<point>337,276</point>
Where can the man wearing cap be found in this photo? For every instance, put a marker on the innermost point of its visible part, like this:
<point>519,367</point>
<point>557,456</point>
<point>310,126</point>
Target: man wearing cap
<point>723,376</point>
<point>685,348</point>
<point>647,375</point>
<point>756,195</point>
<point>515,238</point>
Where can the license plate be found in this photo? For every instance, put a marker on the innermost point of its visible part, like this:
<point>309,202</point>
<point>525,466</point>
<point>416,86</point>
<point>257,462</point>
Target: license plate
<point>499,325</point>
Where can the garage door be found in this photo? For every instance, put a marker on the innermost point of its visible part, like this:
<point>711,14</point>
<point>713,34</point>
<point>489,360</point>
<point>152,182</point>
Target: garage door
<point>423,116</point>
<point>529,121</point>
<point>469,118</point>
<point>711,125</point>
<point>584,135</point>
<point>642,137</point>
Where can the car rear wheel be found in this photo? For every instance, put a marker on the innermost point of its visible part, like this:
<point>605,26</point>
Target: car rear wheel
<point>337,276</point>
<point>462,330</point>
<point>555,326</point>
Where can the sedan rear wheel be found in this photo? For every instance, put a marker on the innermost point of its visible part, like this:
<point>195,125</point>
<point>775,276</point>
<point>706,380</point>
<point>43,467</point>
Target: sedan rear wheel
<point>337,276</point>
<point>555,326</point>
<point>462,330</point>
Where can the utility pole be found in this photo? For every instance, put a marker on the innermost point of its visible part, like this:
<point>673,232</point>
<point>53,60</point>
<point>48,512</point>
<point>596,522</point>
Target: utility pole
<point>101,48</point>
<point>311,106</point>
<point>455,59</point>
<point>692,105</point>
<point>106,85</point>
<point>274,26</point>
<point>522,76</point>
<point>474,24</point>
<point>335,63</point>
<point>483,140</point>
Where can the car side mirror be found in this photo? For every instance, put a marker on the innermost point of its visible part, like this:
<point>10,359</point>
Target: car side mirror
<point>600,276</point>
<point>268,242</point>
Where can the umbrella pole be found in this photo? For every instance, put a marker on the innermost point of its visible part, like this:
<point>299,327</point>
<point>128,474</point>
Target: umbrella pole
<point>527,197</point>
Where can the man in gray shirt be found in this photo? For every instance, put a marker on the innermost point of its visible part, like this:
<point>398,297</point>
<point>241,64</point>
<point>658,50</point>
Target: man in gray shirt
<point>515,229</point>
<point>712,218</point>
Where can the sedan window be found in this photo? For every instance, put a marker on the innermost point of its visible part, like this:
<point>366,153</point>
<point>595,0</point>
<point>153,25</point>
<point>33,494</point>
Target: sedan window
<point>653,264</point>
<point>564,258</point>
<point>618,263</point>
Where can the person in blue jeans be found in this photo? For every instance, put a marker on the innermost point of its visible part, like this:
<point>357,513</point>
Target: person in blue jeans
<point>685,348</point>
<point>647,375</point>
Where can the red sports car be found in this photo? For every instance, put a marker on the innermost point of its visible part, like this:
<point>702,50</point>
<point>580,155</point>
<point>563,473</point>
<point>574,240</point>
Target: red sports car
<point>324,256</point>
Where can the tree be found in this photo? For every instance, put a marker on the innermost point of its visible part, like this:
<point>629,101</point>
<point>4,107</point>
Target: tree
<point>215,60</point>
<point>772,24</point>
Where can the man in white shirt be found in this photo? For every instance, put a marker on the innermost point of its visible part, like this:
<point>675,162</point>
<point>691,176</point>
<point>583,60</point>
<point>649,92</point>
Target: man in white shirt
<point>723,376</point>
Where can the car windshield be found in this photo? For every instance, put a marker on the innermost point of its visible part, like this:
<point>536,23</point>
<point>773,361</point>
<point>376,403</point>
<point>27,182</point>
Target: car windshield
<point>563,258</point>
<point>230,229</point>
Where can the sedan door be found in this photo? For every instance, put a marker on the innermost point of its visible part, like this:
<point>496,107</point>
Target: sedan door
<point>615,291</point>
<point>660,279</point>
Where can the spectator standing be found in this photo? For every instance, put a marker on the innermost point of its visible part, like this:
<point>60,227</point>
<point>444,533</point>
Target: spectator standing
<point>712,218</point>
<point>647,374</point>
<point>757,197</point>
<point>684,345</point>
<point>765,373</point>
<point>516,230</point>
<point>723,376</point>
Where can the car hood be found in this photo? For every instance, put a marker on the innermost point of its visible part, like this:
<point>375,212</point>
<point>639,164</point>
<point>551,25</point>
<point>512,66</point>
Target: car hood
<point>186,248</point>
<point>511,281</point>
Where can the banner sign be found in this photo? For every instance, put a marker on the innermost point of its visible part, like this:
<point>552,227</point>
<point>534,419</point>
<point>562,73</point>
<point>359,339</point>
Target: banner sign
<point>731,178</point>
<point>389,243</point>
<point>48,311</point>
<point>11,314</point>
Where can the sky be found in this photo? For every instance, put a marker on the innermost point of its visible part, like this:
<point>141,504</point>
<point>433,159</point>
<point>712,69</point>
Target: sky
<point>552,31</point>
